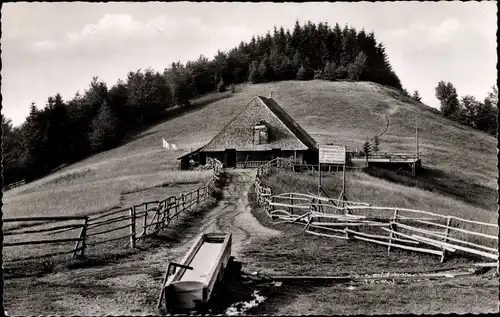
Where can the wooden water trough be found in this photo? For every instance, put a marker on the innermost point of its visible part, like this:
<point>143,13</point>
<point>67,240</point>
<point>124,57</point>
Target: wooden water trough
<point>190,287</point>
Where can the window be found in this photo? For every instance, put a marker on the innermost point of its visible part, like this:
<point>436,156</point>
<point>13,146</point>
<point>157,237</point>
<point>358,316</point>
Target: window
<point>260,133</point>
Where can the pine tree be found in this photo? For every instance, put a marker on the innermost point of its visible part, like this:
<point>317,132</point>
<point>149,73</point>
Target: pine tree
<point>367,148</point>
<point>318,74</point>
<point>486,117</point>
<point>34,142</point>
<point>287,71</point>
<point>301,73</point>
<point>341,72</point>
<point>357,67</point>
<point>297,60</point>
<point>103,133</point>
<point>416,96</point>
<point>329,71</point>
<point>468,110</point>
<point>263,70</point>
<point>13,152</point>
<point>253,76</point>
<point>376,144</point>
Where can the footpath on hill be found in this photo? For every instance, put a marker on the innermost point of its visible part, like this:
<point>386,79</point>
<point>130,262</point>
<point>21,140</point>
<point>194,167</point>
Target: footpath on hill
<point>131,285</point>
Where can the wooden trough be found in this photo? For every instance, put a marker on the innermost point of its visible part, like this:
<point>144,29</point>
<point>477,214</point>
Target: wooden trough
<point>190,287</point>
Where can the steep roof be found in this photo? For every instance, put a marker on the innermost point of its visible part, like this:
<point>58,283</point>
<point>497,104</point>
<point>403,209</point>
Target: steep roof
<point>289,122</point>
<point>285,133</point>
<point>190,153</point>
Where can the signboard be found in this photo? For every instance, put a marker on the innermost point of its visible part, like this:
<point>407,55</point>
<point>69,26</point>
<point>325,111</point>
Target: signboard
<point>332,154</point>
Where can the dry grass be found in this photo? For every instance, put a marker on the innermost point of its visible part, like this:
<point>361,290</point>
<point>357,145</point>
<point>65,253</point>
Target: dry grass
<point>362,187</point>
<point>378,192</point>
<point>340,112</point>
<point>347,113</point>
<point>297,253</point>
<point>87,196</point>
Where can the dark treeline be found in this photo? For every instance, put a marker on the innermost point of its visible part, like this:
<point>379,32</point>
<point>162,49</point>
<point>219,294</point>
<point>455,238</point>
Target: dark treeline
<point>66,131</point>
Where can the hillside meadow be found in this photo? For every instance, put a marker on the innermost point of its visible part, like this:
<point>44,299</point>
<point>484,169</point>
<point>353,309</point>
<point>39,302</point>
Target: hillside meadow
<point>459,162</point>
<point>339,112</point>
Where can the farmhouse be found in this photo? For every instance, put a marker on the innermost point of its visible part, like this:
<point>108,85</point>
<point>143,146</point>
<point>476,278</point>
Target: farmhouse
<point>261,132</point>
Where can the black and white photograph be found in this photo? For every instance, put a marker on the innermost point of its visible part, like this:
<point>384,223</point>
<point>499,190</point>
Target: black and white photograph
<point>249,158</point>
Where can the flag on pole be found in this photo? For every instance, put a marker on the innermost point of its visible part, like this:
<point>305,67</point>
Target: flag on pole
<point>165,144</point>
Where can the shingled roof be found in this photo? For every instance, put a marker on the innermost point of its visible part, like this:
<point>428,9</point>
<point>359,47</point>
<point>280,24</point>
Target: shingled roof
<point>285,133</point>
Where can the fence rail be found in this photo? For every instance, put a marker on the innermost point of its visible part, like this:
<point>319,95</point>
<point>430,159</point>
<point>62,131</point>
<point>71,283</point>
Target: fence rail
<point>409,229</point>
<point>131,224</point>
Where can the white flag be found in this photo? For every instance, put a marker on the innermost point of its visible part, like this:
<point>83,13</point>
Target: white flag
<point>165,144</point>
<point>173,146</point>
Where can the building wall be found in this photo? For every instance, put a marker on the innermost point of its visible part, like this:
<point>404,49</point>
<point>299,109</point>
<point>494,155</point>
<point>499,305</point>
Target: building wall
<point>253,156</point>
<point>242,156</point>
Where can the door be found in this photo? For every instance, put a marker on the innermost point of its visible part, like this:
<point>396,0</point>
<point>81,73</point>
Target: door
<point>276,153</point>
<point>202,158</point>
<point>231,157</point>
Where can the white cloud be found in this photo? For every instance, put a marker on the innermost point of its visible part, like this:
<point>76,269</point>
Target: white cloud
<point>433,33</point>
<point>445,31</point>
<point>115,32</point>
<point>111,26</point>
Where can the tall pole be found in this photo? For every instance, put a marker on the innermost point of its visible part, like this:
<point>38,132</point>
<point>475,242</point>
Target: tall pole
<point>319,178</point>
<point>416,131</point>
<point>343,185</point>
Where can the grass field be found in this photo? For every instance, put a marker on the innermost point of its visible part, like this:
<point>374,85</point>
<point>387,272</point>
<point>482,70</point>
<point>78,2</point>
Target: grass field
<point>298,253</point>
<point>460,163</point>
<point>340,112</point>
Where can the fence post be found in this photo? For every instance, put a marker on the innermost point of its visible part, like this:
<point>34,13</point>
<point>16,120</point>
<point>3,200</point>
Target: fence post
<point>198,196</point>
<point>81,237</point>
<point>393,228</point>
<point>176,206</point>
<point>161,213</point>
<point>145,228</point>
<point>446,234</point>
<point>183,203</point>
<point>84,236</point>
<point>132,227</point>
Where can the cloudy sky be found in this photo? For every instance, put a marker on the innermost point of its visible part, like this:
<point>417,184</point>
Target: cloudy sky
<point>58,47</point>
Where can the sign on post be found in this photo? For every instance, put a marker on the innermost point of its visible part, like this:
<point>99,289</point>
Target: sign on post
<point>332,154</point>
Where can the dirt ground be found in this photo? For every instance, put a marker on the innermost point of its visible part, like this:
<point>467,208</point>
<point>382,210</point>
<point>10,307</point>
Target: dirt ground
<point>131,285</point>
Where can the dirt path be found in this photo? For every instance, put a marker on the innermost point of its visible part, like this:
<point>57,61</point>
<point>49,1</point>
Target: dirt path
<point>131,286</point>
<point>233,213</point>
<point>391,111</point>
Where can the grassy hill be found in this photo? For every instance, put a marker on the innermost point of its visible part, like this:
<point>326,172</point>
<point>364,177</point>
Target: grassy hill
<point>459,161</point>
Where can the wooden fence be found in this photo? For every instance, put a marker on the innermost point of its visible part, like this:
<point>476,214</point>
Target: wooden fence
<point>409,229</point>
<point>250,164</point>
<point>75,235</point>
<point>13,185</point>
